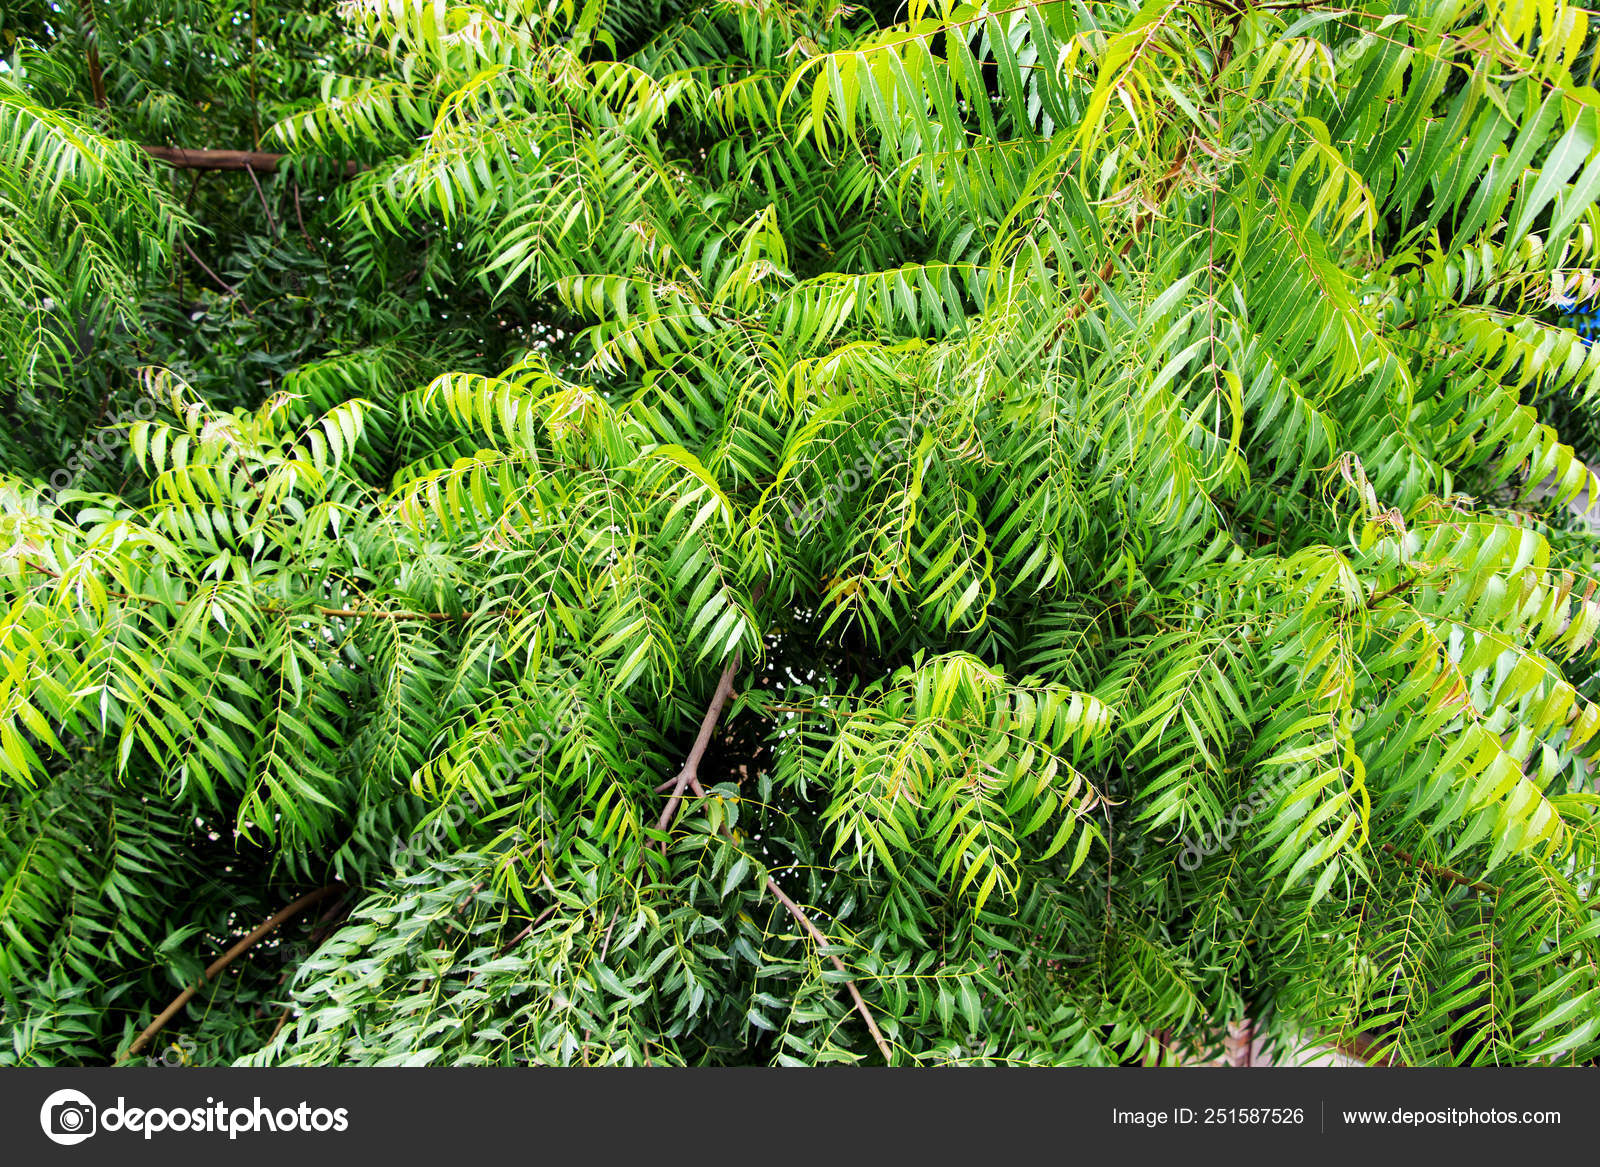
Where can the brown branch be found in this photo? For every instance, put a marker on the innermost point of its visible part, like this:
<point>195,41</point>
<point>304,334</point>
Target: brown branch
<point>1141,222</point>
<point>812,930</point>
<point>272,224</point>
<point>689,776</point>
<point>1154,1057</point>
<point>849,985</point>
<point>97,79</point>
<point>1164,188</point>
<point>528,931</point>
<point>1442,872</point>
<point>300,218</point>
<point>1380,597</point>
<point>220,282</point>
<point>319,933</point>
<point>184,158</point>
<point>224,961</point>
<point>691,765</point>
<point>283,1019</point>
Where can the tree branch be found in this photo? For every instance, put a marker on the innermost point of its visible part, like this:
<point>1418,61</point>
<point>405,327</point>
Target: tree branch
<point>259,161</point>
<point>97,78</point>
<point>816,934</point>
<point>691,765</point>
<point>272,224</point>
<point>224,961</point>
<point>528,931</point>
<point>849,985</point>
<point>1380,597</point>
<point>220,282</point>
<point>1144,218</point>
<point>1442,872</point>
<point>689,777</point>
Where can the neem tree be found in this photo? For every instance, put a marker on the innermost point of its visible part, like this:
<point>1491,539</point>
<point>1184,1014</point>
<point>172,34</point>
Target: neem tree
<point>751,532</point>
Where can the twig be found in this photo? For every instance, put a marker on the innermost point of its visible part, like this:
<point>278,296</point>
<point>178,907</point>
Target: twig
<point>1441,872</point>
<point>272,224</point>
<point>849,985</point>
<point>282,1020</point>
<point>220,282</point>
<point>1380,597</point>
<point>528,931</point>
<point>1145,217</point>
<point>815,934</point>
<point>605,947</point>
<point>691,765</point>
<point>319,932</point>
<point>299,217</point>
<point>97,79</point>
<point>689,777</point>
<point>224,961</point>
<point>1111,855</point>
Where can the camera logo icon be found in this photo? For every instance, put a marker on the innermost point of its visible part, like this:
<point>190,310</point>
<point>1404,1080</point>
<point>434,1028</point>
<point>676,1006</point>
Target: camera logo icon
<point>68,1117</point>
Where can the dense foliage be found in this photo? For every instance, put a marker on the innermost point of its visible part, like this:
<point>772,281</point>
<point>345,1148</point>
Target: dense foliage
<point>1066,492</point>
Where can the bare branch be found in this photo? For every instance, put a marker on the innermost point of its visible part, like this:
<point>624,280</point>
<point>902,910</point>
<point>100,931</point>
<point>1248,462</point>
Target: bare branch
<point>224,961</point>
<point>220,282</point>
<point>1441,872</point>
<point>708,724</point>
<point>184,158</point>
<point>97,79</point>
